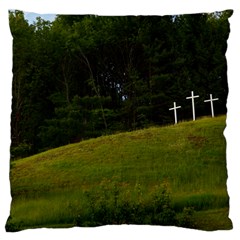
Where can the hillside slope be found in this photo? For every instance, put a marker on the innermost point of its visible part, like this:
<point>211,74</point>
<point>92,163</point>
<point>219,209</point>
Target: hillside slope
<point>189,158</point>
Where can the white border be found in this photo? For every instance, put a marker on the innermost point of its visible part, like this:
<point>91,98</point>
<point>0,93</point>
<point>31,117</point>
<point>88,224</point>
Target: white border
<point>123,7</point>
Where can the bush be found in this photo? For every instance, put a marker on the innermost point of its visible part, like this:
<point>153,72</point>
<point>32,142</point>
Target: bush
<point>105,206</point>
<point>21,151</point>
<point>186,218</point>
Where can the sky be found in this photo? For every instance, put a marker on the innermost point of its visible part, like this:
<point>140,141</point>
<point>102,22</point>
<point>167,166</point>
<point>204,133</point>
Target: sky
<point>31,17</point>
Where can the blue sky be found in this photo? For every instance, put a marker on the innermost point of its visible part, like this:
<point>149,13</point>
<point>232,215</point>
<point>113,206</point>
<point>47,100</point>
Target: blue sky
<point>31,17</point>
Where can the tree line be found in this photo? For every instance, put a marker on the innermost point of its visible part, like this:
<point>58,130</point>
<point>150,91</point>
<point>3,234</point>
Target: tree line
<point>83,76</point>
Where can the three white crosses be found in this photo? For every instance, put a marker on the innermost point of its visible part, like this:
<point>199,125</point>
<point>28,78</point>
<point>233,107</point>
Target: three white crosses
<point>193,106</point>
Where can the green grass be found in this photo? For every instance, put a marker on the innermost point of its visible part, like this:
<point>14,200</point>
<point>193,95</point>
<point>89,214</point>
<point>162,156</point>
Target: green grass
<point>213,219</point>
<point>49,189</point>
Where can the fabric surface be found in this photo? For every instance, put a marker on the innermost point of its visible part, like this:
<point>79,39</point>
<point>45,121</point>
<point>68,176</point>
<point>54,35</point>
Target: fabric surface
<point>78,159</point>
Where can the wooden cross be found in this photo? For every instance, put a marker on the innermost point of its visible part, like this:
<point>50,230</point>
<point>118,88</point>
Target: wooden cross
<point>193,107</point>
<point>211,101</point>
<point>175,111</point>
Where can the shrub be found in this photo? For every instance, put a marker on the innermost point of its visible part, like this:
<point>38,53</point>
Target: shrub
<point>107,206</point>
<point>186,218</point>
<point>21,151</point>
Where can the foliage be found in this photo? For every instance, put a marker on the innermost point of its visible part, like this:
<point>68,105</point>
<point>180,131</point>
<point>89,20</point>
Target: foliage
<point>186,218</point>
<point>132,174</point>
<point>21,151</point>
<point>105,206</point>
<point>126,72</point>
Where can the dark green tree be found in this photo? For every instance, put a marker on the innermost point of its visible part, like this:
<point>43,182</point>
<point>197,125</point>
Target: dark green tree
<point>85,76</point>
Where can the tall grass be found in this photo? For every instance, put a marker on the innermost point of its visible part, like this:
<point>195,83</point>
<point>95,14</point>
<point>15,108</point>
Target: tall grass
<point>106,204</point>
<point>49,188</point>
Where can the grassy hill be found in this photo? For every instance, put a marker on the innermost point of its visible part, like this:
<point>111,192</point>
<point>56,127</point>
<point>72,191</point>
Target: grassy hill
<point>185,162</point>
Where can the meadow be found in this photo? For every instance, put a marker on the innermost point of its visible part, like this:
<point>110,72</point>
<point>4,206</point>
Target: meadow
<point>176,173</point>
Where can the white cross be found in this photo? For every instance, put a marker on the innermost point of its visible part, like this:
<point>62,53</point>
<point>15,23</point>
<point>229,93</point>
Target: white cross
<point>193,108</point>
<point>211,100</point>
<point>175,111</point>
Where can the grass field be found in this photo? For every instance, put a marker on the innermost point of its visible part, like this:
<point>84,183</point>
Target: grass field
<point>187,161</point>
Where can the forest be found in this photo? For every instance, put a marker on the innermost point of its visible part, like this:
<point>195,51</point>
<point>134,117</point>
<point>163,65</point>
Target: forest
<point>84,76</point>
